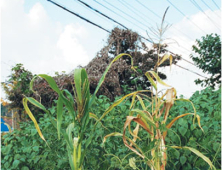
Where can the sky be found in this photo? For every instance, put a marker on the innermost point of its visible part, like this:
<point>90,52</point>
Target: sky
<point>46,39</point>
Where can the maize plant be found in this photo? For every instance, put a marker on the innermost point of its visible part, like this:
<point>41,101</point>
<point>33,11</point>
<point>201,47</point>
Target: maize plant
<point>153,119</point>
<point>78,108</point>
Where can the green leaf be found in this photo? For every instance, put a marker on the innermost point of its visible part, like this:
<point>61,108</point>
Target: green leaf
<point>35,148</point>
<point>59,114</point>
<point>25,168</point>
<point>183,159</point>
<point>216,146</point>
<point>177,154</point>
<point>15,164</point>
<point>182,130</point>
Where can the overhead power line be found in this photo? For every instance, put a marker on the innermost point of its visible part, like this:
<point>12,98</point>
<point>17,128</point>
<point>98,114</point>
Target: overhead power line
<point>118,14</point>
<point>111,19</point>
<point>190,71</point>
<point>198,7</point>
<point>216,4</point>
<point>210,8</point>
<point>108,30</point>
<point>79,16</point>
<point>144,6</point>
<point>102,14</point>
<point>186,16</point>
<point>126,14</point>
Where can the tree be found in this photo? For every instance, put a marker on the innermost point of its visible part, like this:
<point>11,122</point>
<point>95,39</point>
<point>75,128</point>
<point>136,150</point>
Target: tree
<point>208,58</point>
<point>16,87</point>
<point>120,74</point>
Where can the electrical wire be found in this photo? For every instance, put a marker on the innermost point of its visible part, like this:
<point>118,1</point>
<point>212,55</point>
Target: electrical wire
<point>155,35</point>
<point>126,14</point>
<point>118,15</point>
<point>190,70</point>
<point>135,11</point>
<point>102,14</point>
<point>198,7</point>
<point>187,35</point>
<point>185,16</point>
<point>79,16</point>
<point>210,8</point>
<point>216,4</point>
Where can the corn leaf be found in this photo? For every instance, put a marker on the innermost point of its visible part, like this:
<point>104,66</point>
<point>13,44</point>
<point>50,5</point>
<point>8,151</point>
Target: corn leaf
<point>198,153</point>
<point>154,74</point>
<point>132,143</point>
<point>141,102</point>
<point>69,131</point>
<point>147,74</point>
<point>178,117</point>
<point>104,75</point>
<point>165,57</point>
<point>112,134</point>
<point>143,114</point>
<point>78,84</point>
<point>32,118</point>
<point>36,103</point>
<point>120,101</point>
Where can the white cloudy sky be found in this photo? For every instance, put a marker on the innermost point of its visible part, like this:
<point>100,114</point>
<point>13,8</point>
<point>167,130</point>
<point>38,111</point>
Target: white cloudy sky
<point>46,39</point>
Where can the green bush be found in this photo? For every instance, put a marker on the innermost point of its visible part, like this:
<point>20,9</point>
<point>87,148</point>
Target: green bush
<point>24,149</point>
<point>208,106</point>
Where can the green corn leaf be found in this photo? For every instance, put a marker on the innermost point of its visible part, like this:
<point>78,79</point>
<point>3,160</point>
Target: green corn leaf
<point>69,131</point>
<point>78,83</point>
<point>51,82</point>
<point>69,104</point>
<point>36,103</point>
<point>104,75</point>
<point>198,153</point>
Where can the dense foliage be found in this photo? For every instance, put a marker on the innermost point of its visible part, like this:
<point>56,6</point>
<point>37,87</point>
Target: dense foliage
<point>208,58</point>
<point>25,150</point>
<point>208,105</point>
<point>16,87</point>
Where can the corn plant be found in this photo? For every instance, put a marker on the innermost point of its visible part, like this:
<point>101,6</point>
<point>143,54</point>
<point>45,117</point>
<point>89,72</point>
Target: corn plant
<point>78,108</point>
<point>153,117</point>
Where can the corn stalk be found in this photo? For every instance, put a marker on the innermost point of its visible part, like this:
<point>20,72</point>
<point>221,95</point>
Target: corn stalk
<point>78,108</point>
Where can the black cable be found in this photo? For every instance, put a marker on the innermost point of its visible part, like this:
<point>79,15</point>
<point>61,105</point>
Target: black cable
<point>118,15</point>
<point>111,19</point>
<point>108,30</point>
<point>79,16</point>
<point>102,14</point>
<point>186,16</point>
